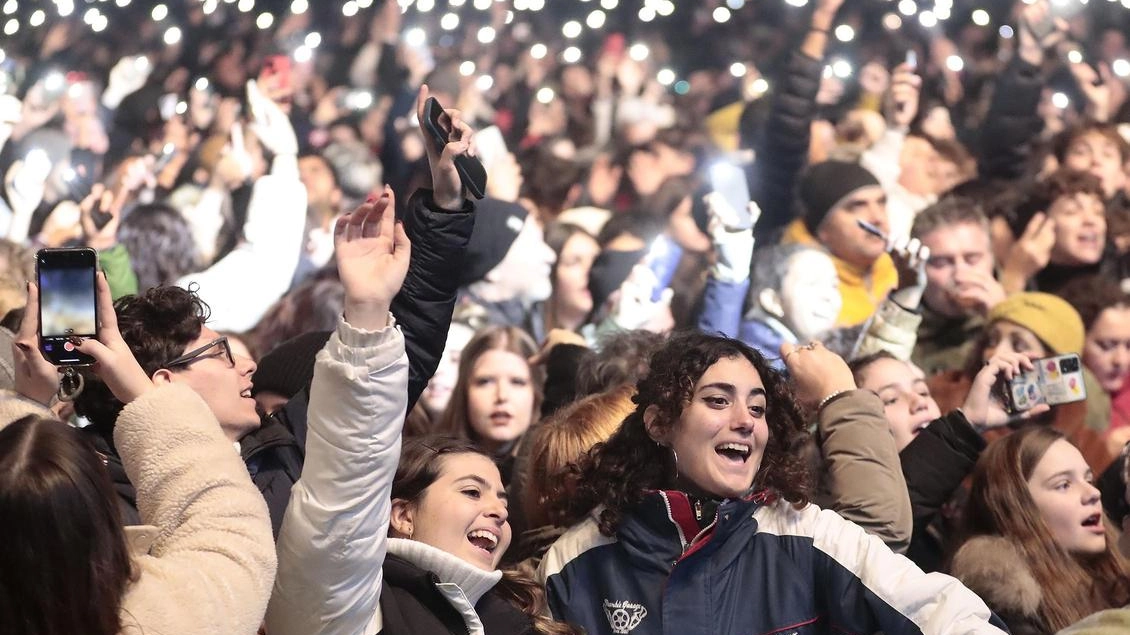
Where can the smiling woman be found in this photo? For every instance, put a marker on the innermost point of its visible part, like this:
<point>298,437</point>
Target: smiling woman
<point>703,478</point>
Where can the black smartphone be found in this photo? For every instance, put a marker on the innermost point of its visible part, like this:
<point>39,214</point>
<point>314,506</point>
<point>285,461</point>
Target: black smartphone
<point>472,174</point>
<point>1055,380</point>
<point>67,304</point>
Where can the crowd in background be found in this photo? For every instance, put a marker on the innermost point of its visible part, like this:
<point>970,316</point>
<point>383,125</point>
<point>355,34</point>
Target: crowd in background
<point>605,397</point>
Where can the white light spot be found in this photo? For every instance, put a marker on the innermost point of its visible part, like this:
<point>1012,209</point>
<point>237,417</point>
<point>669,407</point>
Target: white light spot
<point>639,52</point>
<point>160,12</point>
<point>981,17</point>
<point>737,69</point>
<point>571,55</point>
<point>665,76</point>
<point>172,35</point>
<point>845,33</point>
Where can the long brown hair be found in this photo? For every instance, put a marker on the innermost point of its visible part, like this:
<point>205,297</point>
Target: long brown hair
<point>456,419</point>
<point>64,565</point>
<point>1001,505</point>
<point>616,473</point>
<point>421,462</point>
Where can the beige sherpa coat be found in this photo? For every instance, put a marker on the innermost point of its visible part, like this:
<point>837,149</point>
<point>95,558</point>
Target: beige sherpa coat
<point>206,559</point>
<point>993,568</point>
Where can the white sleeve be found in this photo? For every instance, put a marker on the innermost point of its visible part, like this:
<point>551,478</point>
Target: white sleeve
<point>333,540</point>
<point>888,587</point>
<point>242,285</point>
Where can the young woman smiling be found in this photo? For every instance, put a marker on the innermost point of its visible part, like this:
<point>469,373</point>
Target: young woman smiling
<point>367,546</point>
<point>695,516</point>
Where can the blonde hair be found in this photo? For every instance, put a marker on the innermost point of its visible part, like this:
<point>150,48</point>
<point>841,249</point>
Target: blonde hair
<point>562,440</point>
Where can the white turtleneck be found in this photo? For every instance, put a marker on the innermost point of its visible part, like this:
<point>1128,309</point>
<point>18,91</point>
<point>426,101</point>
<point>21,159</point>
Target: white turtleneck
<point>462,583</point>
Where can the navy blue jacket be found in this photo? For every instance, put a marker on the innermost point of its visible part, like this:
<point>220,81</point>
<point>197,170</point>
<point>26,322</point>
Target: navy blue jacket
<point>762,567</point>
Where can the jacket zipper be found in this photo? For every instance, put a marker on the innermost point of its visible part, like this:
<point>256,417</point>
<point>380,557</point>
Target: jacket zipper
<point>698,510</point>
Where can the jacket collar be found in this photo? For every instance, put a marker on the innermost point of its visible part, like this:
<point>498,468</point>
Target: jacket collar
<point>473,581</point>
<point>663,525</point>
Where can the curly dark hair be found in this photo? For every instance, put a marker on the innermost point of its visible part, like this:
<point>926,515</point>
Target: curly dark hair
<point>616,473</point>
<point>157,325</point>
<point>1041,196</point>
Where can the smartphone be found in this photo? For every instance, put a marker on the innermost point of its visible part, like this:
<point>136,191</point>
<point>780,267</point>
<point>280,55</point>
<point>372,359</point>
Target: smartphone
<point>472,174</point>
<point>67,305</point>
<point>663,258</point>
<point>912,59</point>
<point>729,180</point>
<point>1055,380</point>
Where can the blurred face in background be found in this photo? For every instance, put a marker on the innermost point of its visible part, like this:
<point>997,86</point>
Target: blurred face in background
<point>500,398</point>
<point>1106,351</point>
<point>1080,229</point>
<point>960,255</point>
<point>840,233</point>
<point>810,294</point>
<point>1008,337</point>
<point>438,391</point>
<point>571,283</point>
<point>1098,154</point>
<point>906,398</point>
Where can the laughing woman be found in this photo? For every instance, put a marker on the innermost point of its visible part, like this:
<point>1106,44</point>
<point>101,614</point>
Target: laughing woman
<point>700,521</point>
<point>368,546</point>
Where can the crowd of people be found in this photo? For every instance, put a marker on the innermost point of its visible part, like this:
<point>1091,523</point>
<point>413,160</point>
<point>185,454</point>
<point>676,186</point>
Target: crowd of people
<point>335,390</point>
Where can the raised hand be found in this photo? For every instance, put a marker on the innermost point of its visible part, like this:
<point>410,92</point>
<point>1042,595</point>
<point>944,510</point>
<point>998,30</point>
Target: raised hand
<point>816,372</point>
<point>904,94</point>
<point>1039,31</point>
<point>114,361</point>
<point>372,252</point>
<point>1030,253</point>
<point>270,122</point>
<point>447,189</point>
<point>910,258</point>
<point>732,238</point>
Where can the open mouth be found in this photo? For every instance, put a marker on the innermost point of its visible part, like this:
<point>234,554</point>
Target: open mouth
<point>736,453</point>
<point>483,540</point>
<point>500,418</point>
<point>246,394</point>
<point>1094,522</point>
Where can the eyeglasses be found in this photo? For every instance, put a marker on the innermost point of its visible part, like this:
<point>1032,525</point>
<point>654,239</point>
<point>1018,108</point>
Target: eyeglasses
<point>198,354</point>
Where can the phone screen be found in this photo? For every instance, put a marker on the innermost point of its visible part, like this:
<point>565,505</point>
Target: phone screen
<point>729,180</point>
<point>67,305</point>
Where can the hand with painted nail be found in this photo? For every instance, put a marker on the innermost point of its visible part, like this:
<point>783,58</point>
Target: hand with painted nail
<point>36,378</point>
<point>114,362</point>
<point>446,186</point>
<point>372,252</point>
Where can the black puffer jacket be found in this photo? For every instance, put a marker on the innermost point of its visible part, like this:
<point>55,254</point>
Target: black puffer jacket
<point>1012,126</point>
<point>782,151</point>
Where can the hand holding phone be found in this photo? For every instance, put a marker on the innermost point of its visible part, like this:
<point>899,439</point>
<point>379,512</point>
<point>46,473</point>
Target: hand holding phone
<point>67,303</point>
<point>1052,381</point>
<point>449,143</point>
<point>729,181</point>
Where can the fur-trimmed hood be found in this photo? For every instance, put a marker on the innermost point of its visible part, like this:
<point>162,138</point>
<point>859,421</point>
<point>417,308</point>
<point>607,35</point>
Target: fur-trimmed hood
<point>993,568</point>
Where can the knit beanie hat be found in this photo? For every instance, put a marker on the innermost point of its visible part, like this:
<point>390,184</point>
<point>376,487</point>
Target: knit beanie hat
<point>1051,318</point>
<point>289,368</point>
<point>825,184</point>
<point>497,224</point>
<point>7,362</point>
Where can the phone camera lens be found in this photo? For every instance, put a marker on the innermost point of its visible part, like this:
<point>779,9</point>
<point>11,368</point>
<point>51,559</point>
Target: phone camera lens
<point>1070,365</point>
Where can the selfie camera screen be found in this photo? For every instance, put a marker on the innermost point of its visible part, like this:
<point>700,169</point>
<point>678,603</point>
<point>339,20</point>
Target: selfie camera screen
<point>67,297</point>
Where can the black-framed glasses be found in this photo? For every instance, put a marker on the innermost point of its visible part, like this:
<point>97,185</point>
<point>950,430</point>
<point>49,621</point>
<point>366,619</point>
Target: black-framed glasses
<point>198,354</point>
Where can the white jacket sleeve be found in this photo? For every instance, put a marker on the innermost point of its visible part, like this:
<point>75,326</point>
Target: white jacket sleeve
<point>868,587</point>
<point>882,158</point>
<point>333,539</point>
<point>242,285</point>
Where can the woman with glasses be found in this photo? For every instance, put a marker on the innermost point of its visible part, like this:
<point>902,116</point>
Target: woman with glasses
<point>204,561</point>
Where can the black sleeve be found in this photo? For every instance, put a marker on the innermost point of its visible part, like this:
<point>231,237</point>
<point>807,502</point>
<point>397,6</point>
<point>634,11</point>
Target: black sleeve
<point>1013,124</point>
<point>561,376</point>
<point>936,461</point>
<point>424,305</point>
<point>783,151</point>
